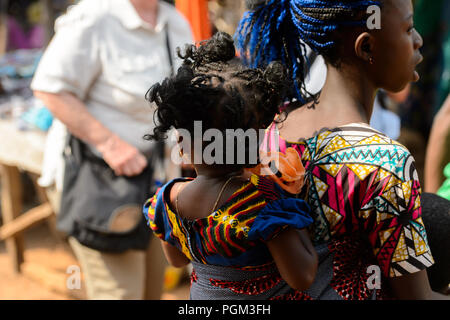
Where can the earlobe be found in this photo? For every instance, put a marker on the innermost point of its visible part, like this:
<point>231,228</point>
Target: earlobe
<point>364,47</point>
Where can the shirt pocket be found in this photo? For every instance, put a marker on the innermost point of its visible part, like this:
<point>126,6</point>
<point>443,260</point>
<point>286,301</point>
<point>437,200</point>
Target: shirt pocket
<point>136,73</point>
<point>131,63</point>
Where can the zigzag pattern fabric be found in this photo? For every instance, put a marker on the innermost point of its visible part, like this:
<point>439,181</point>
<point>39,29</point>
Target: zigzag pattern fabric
<point>361,182</point>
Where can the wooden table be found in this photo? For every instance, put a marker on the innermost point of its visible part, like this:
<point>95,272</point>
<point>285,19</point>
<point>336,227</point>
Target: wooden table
<point>19,151</point>
<point>23,151</point>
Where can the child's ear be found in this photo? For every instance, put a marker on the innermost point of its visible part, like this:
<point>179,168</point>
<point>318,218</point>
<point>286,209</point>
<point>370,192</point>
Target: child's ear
<point>364,46</point>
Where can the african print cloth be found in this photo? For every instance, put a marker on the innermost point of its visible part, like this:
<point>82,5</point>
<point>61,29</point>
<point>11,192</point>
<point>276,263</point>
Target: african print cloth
<point>364,193</point>
<point>229,244</point>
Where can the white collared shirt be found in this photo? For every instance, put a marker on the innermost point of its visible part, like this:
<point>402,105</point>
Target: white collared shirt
<point>106,55</point>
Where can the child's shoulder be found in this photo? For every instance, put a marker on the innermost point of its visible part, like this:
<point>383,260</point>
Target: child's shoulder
<point>156,209</point>
<point>165,192</point>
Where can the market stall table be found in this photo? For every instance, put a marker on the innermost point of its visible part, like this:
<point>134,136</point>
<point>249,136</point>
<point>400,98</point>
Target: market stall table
<point>19,151</point>
<point>23,151</point>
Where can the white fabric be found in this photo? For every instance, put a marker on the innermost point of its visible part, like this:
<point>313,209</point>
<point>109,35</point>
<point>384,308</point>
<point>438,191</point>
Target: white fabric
<point>53,163</point>
<point>385,121</point>
<point>317,75</point>
<point>106,55</point>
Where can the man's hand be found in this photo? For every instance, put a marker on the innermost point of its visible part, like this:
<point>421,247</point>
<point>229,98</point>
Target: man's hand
<point>122,157</point>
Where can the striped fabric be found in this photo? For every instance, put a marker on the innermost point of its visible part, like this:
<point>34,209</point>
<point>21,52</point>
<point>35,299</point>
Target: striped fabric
<point>222,238</point>
<point>228,247</point>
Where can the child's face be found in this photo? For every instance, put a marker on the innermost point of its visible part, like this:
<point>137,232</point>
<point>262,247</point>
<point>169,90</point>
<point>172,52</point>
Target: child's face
<point>396,47</point>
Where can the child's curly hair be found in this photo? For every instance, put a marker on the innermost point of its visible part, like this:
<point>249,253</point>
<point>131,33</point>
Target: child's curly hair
<point>213,87</point>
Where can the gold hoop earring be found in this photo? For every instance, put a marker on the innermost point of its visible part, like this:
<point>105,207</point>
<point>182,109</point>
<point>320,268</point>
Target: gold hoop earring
<point>371,60</point>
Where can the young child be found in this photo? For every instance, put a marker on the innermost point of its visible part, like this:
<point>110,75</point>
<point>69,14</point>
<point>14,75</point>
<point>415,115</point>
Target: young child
<point>245,239</point>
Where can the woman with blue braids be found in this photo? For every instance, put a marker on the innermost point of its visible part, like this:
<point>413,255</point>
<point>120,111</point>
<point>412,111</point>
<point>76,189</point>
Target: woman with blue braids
<point>362,187</point>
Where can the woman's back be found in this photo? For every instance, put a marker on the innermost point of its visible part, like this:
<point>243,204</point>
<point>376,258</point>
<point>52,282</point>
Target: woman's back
<point>367,187</point>
<point>364,193</point>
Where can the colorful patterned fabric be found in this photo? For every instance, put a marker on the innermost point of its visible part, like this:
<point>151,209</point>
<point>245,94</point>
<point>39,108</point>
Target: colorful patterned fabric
<point>232,238</point>
<point>364,194</point>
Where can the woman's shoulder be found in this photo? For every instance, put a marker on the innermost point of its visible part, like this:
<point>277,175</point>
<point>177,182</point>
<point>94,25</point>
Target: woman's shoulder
<point>362,146</point>
<point>362,136</point>
<point>357,134</point>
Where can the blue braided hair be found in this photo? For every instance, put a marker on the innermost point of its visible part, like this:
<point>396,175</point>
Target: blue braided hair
<point>277,30</point>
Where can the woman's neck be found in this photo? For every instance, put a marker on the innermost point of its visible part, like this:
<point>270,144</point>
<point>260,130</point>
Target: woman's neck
<point>347,94</point>
<point>347,97</point>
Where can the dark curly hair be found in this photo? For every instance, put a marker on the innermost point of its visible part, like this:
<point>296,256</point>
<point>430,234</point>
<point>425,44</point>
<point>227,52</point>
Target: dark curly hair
<point>213,87</point>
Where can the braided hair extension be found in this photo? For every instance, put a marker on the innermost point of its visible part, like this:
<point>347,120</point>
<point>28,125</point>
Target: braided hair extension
<point>272,29</point>
<point>213,87</point>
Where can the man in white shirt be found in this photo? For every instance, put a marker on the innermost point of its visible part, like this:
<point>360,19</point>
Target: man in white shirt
<point>93,77</point>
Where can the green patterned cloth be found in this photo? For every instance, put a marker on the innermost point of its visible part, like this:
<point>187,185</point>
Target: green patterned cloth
<point>444,191</point>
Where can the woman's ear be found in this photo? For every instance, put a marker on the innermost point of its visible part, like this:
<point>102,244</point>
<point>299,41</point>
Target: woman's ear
<point>364,46</point>
<point>178,136</point>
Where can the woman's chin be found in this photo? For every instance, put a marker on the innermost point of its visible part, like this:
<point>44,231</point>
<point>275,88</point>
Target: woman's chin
<point>398,88</point>
<point>416,76</point>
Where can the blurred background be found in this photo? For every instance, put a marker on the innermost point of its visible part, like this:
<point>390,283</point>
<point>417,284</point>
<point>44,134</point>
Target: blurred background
<point>33,257</point>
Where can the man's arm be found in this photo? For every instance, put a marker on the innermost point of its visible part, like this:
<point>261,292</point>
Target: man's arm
<point>122,157</point>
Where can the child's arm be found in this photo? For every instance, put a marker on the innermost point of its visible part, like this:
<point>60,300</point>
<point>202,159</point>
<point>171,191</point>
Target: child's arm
<point>174,256</point>
<point>295,258</point>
